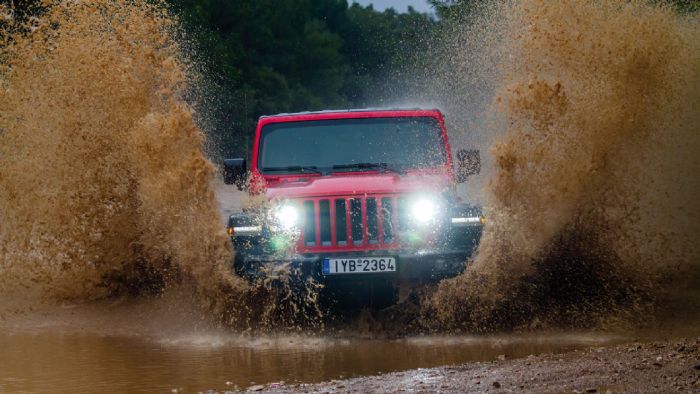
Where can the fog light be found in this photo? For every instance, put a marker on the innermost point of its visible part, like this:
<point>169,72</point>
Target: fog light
<point>279,242</point>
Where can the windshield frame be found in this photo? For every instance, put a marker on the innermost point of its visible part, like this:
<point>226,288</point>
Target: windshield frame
<point>350,115</point>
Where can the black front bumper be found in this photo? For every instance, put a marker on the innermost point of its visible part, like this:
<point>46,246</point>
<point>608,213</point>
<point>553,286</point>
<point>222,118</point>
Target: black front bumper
<point>411,266</point>
<point>348,291</point>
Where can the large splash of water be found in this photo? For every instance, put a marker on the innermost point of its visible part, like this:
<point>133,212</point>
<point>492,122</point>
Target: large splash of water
<point>593,191</point>
<point>103,184</point>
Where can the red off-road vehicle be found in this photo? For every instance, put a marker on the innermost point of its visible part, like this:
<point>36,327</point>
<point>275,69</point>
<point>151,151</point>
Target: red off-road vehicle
<point>360,201</point>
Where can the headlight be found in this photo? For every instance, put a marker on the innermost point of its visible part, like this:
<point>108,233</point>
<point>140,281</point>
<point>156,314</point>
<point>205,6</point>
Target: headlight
<point>424,210</point>
<point>287,216</point>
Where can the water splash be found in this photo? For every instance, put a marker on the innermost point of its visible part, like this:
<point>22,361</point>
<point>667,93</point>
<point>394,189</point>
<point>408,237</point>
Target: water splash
<point>103,185</point>
<point>592,193</point>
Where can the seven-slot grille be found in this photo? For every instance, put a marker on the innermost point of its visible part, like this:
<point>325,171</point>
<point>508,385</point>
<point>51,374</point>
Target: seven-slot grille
<point>352,223</point>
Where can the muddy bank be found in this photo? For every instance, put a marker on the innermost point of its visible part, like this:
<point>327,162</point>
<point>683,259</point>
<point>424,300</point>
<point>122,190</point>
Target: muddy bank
<point>637,367</point>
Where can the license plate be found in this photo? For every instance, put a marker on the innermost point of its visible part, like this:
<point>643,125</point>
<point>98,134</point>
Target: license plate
<point>361,265</point>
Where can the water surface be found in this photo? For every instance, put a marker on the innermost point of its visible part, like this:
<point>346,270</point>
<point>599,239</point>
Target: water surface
<point>49,360</point>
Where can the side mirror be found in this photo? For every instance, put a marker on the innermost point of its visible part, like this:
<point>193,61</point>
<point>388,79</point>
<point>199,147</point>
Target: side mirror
<point>235,171</point>
<point>468,163</point>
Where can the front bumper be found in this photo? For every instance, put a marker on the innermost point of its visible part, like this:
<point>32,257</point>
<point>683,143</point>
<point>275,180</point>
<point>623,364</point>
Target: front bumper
<point>421,266</point>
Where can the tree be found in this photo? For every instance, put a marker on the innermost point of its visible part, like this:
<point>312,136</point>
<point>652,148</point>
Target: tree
<point>272,56</point>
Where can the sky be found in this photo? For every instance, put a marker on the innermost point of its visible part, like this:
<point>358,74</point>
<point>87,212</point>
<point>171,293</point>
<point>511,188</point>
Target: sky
<point>398,5</point>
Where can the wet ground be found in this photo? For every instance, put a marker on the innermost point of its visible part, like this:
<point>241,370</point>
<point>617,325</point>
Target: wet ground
<point>48,359</point>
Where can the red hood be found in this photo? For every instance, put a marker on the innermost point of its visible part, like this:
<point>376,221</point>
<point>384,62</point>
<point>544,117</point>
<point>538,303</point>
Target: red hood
<point>343,185</point>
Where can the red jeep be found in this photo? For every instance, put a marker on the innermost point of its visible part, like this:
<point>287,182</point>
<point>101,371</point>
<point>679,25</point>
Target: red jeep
<point>360,201</point>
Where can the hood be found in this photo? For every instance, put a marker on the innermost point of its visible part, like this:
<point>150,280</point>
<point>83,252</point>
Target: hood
<point>343,185</point>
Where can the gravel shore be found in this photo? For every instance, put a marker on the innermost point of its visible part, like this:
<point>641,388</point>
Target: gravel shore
<point>669,366</point>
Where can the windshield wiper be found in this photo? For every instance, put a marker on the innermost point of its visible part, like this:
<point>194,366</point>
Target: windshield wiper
<point>302,169</point>
<point>367,166</point>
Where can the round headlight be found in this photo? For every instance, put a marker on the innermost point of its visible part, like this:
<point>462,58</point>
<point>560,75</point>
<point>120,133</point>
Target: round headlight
<point>424,210</point>
<point>287,216</point>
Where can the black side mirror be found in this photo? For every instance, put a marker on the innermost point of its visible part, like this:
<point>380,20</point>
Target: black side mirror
<point>468,163</point>
<point>235,171</point>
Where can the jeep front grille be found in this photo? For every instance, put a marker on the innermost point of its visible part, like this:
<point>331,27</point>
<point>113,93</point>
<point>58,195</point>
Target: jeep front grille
<point>352,223</point>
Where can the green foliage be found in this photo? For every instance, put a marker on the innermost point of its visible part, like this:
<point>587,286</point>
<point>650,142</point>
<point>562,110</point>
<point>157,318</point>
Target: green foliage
<point>685,6</point>
<point>270,56</point>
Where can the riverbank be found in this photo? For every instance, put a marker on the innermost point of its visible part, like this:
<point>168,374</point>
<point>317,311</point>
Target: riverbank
<point>662,366</point>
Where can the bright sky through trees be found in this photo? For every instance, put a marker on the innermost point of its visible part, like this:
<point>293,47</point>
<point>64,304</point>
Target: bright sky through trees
<point>398,5</point>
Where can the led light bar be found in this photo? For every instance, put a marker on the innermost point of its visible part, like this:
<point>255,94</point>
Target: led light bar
<point>244,231</point>
<point>470,221</point>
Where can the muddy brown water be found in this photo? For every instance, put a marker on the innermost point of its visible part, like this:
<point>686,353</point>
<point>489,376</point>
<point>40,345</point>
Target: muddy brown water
<point>165,343</point>
<point>52,361</point>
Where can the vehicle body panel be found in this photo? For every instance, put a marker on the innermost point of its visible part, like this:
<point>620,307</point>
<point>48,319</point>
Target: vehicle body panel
<point>267,181</point>
<point>355,183</point>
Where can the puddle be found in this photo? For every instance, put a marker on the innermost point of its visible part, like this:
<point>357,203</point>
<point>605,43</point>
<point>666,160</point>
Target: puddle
<point>51,361</point>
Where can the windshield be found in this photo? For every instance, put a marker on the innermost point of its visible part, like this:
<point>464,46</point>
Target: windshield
<point>403,143</point>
